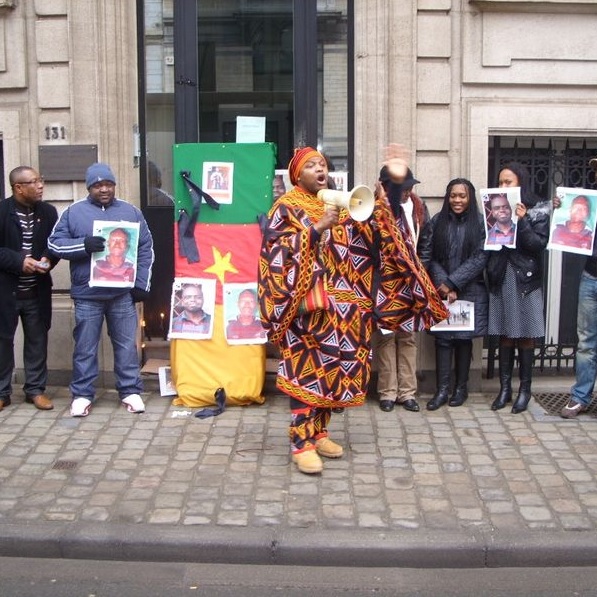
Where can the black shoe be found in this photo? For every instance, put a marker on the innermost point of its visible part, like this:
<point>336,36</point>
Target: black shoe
<point>5,401</point>
<point>387,405</point>
<point>338,410</point>
<point>502,399</point>
<point>439,399</point>
<point>410,404</point>
<point>521,403</point>
<point>459,397</point>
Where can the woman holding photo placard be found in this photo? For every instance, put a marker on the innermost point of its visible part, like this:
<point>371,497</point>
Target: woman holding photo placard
<point>515,279</point>
<point>456,268</point>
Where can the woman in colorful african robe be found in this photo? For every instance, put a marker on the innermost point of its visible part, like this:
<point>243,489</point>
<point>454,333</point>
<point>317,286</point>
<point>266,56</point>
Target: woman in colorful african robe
<point>325,282</point>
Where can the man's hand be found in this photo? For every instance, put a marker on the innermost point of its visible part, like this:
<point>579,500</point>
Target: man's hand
<point>139,295</point>
<point>29,265</point>
<point>43,266</point>
<point>94,244</point>
<point>396,160</point>
<point>330,218</point>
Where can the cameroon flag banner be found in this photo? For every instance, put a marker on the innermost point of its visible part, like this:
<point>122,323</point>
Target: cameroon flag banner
<point>216,338</point>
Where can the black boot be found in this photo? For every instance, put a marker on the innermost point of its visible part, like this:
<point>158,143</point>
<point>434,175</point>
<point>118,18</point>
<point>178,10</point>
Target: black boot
<point>443,364</point>
<point>525,372</point>
<point>462,357</point>
<point>506,360</point>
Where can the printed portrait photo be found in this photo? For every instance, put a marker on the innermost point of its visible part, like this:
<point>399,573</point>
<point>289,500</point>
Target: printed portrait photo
<point>218,180</point>
<point>573,223</point>
<point>116,266</point>
<point>192,308</point>
<point>499,207</point>
<point>281,183</point>
<point>241,314</point>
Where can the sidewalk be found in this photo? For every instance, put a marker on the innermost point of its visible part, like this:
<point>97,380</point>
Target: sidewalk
<point>464,487</point>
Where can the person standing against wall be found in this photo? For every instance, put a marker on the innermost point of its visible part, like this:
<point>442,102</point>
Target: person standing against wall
<point>26,284</point>
<point>73,239</point>
<point>456,268</point>
<point>396,352</point>
<point>515,279</point>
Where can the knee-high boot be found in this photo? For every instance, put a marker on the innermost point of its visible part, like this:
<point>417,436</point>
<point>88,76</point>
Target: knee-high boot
<point>462,357</point>
<point>506,364</point>
<point>525,371</point>
<point>443,364</point>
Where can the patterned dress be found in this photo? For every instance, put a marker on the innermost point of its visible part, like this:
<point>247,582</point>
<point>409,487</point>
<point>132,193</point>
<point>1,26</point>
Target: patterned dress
<point>371,276</point>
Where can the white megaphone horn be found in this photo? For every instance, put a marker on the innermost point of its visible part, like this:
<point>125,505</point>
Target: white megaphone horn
<point>359,202</point>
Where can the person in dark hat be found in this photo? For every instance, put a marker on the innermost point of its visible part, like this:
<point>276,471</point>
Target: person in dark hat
<point>73,238</point>
<point>325,282</point>
<point>396,352</point>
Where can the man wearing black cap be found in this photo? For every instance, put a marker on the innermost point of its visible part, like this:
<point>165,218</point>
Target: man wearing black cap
<point>73,239</point>
<point>396,352</point>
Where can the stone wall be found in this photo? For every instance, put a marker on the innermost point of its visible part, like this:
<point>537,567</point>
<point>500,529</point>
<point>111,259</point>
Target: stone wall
<point>68,76</point>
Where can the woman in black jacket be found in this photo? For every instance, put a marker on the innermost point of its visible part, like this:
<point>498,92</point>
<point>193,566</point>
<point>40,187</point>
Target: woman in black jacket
<point>456,269</point>
<point>515,289</point>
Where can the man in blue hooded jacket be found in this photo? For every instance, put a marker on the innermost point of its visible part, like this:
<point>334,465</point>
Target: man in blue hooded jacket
<point>73,239</point>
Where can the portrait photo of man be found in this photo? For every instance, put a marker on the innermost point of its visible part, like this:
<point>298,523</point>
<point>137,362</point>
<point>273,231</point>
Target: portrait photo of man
<point>573,224</point>
<point>243,325</point>
<point>218,180</point>
<point>116,266</point>
<point>499,222</point>
<point>189,317</point>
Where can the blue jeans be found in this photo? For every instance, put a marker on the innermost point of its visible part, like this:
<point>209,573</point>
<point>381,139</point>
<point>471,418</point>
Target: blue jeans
<point>121,318</point>
<point>586,353</point>
<point>35,351</point>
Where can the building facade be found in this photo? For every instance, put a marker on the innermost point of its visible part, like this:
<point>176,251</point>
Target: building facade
<point>463,83</point>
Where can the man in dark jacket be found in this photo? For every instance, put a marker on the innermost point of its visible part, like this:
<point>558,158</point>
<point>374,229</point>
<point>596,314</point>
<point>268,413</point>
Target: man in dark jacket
<point>25,284</point>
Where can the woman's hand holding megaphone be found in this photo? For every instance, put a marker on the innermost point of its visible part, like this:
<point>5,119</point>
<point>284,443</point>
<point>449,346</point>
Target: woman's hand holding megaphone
<point>397,158</point>
<point>331,217</point>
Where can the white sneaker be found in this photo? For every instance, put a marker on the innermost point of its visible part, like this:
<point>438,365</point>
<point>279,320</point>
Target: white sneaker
<point>80,407</point>
<point>134,404</point>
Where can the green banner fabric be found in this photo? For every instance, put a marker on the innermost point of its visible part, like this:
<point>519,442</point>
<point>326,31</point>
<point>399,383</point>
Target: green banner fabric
<point>239,176</point>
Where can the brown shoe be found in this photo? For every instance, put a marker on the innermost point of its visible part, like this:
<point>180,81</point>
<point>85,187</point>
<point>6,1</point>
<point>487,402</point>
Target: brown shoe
<point>326,447</point>
<point>308,462</point>
<point>41,401</point>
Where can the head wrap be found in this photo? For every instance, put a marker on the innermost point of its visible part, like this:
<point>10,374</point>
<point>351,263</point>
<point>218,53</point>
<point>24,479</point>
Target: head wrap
<point>299,159</point>
<point>97,173</point>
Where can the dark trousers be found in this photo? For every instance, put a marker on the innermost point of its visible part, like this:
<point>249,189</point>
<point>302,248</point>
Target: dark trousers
<point>35,351</point>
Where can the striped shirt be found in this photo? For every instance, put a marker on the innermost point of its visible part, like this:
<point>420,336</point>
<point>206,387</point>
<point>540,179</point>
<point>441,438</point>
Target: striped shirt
<point>27,282</point>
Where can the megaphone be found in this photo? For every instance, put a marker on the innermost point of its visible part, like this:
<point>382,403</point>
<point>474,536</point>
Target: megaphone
<point>359,202</point>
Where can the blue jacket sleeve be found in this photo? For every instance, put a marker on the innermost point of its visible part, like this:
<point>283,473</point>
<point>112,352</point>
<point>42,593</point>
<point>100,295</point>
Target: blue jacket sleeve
<point>145,256</point>
<point>61,242</point>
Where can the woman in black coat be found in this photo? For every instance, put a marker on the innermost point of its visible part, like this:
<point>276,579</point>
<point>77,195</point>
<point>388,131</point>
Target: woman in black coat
<point>456,269</point>
<point>515,279</point>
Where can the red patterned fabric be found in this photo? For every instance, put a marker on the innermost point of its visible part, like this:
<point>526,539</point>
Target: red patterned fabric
<point>325,354</point>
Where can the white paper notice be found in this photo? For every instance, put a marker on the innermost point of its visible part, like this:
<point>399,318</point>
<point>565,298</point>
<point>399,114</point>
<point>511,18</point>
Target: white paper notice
<point>250,129</point>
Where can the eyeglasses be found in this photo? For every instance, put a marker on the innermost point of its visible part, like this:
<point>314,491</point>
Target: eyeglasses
<point>34,181</point>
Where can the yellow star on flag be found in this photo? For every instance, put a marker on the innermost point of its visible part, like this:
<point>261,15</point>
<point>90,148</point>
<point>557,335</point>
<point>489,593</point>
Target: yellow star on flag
<point>221,264</point>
